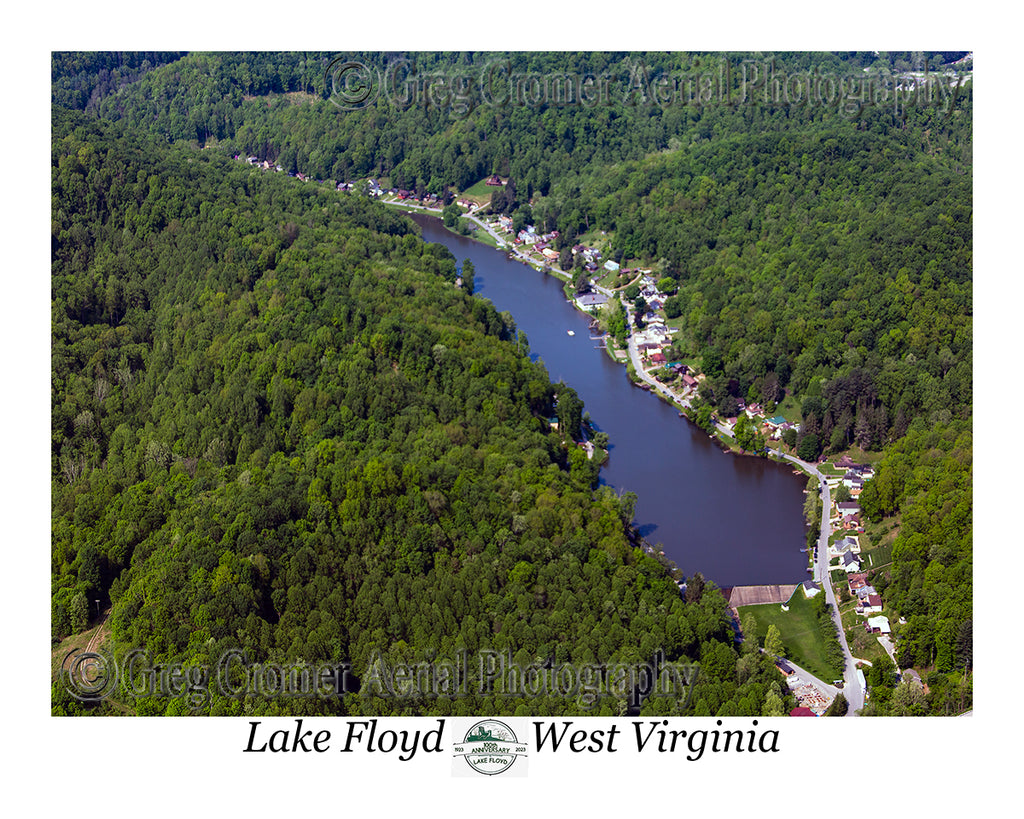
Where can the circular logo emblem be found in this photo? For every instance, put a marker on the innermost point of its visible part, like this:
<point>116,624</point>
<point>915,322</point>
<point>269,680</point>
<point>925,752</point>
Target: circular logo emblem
<point>353,84</point>
<point>490,747</point>
<point>88,676</point>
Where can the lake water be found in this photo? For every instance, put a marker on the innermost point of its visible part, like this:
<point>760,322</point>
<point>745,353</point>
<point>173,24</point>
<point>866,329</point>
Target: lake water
<point>737,520</point>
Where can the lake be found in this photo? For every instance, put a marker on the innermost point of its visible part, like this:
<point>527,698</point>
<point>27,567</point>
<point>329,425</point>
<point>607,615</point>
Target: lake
<point>737,520</point>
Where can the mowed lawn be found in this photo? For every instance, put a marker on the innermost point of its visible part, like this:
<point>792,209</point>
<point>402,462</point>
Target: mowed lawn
<point>799,630</point>
<point>481,191</point>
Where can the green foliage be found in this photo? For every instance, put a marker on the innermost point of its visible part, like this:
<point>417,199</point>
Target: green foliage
<point>275,421</point>
<point>927,479</point>
<point>279,427</point>
<point>468,276</point>
<point>838,707</point>
<point>451,214</point>
<point>773,642</point>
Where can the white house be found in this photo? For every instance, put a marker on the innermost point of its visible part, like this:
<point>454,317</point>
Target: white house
<point>847,508</point>
<point>846,544</point>
<point>879,623</point>
<point>872,604</point>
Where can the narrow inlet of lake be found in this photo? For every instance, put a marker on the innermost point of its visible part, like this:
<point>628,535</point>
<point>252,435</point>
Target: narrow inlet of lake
<point>737,520</point>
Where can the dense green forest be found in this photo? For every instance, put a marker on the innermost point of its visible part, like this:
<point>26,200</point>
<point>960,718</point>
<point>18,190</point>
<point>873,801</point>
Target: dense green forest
<point>247,371</point>
<point>926,480</point>
<point>279,426</point>
<point>818,253</point>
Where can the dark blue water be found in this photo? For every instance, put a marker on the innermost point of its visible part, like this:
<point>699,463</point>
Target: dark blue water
<point>737,520</point>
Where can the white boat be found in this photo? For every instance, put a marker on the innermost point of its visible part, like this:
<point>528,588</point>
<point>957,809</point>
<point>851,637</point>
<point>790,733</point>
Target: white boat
<point>571,332</point>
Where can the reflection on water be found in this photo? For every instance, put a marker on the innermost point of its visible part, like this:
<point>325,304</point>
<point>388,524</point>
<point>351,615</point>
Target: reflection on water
<point>737,520</point>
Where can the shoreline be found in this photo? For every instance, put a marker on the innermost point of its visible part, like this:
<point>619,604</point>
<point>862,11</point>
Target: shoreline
<point>818,569</point>
<point>721,435</point>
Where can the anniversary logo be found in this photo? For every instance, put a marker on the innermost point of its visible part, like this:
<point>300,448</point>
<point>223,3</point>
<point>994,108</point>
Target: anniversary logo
<point>490,747</point>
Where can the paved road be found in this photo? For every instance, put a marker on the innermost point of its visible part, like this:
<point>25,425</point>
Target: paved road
<point>851,689</point>
<point>827,688</point>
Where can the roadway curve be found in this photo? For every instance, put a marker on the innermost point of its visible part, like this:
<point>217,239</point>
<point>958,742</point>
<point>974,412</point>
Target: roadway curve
<point>851,689</point>
<point>851,685</point>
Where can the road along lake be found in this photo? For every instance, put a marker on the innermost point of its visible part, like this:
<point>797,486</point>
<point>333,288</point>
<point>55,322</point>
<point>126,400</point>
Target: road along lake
<point>737,520</point>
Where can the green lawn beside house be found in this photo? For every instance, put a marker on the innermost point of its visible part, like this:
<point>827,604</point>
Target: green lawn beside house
<point>799,630</point>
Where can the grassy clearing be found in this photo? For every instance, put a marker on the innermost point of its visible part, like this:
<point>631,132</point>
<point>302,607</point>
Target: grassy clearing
<point>479,192</point>
<point>790,410</point>
<point>877,558</point>
<point>799,630</point>
<point>76,643</point>
<point>478,233</point>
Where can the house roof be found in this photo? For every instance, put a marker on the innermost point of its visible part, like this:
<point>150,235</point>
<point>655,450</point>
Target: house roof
<point>801,711</point>
<point>849,559</point>
<point>881,622</point>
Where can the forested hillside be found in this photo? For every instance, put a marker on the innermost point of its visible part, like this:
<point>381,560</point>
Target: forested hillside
<point>823,254</point>
<point>279,426</point>
<point>277,422</point>
<point>926,479</point>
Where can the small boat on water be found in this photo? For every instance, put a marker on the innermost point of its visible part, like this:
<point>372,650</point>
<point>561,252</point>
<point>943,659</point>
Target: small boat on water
<point>571,332</point>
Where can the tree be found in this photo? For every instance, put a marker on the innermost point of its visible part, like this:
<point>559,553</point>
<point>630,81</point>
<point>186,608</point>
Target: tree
<point>695,588</point>
<point>773,705</point>
<point>838,707</point>
<point>451,215</point>
<point>773,642</point>
<point>79,610</point>
<point>570,411</point>
<point>468,274</point>
<point>809,448</point>
<point>639,310</point>
<point>581,281</point>
<point>748,624</point>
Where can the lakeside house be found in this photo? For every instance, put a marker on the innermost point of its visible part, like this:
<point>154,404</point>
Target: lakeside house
<point>844,545</point>
<point>811,589</point>
<point>589,300</point>
<point>847,508</point>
